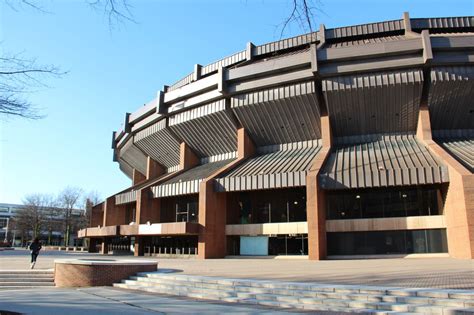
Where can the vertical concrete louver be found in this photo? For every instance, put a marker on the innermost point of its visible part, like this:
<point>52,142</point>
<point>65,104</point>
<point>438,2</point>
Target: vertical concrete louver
<point>209,129</point>
<point>157,141</point>
<point>269,115</point>
<point>133,156</point>
<point>385,102</point>
<point>382,161</point>
<point>188,182</point>
<point>276,166</point>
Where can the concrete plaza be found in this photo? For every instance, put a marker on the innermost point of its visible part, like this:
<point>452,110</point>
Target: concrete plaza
<point>416,272</point>
<point>409,272</point>
<point>110,301</point>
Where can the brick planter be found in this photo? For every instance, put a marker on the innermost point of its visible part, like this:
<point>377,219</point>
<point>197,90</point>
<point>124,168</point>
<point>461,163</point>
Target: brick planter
<point>90,273</point>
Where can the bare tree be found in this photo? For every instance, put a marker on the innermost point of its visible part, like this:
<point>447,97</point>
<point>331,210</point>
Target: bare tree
<point>20,76</point>
<point>52,216</point>
<point>68,201</point>
<point>30,219</point>
<point>117,11</point>
<point>303,13</point>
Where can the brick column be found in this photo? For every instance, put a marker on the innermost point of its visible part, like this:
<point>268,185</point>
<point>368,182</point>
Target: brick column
<point>104,250</point>
<point>459,194</point>
<point>213,205</point>
<point>137,177</point>
<point>97,215</point>
<point>147,209</point>
<point>153,169</point>
<point>92,245</point>
<point>316,198</point>
<point>110,213</point>
<point>139,248</point>
<point>187,158</point>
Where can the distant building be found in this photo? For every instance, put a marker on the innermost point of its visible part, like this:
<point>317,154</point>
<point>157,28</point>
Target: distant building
<point>354,141</point>
<point>7,233</point>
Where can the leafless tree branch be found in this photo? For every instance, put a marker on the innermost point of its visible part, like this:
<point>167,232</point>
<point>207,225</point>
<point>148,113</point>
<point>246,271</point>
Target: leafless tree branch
<point>303,13</point>
<point>117,11</point>
<point>18,78</point>
<point>33,4</point>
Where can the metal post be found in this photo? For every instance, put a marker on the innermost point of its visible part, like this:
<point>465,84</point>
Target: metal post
<point>269,212</point>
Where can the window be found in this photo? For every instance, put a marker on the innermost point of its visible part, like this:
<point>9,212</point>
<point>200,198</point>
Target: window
<point>187,211</point>
<point>383,203</point>
<point>272,206</point>
<point>387,242</point>
<point>3,222</point>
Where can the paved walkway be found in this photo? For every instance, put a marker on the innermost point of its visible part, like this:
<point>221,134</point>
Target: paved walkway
<point>409,272</point>
<point>109,301</point>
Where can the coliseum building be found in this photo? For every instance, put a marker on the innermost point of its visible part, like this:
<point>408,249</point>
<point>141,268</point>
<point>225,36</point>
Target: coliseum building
<point>345,142</point>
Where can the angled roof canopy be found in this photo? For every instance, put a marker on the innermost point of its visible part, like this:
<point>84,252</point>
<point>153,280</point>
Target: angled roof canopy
<point>275,166</point>
<point>279,115</point>
<point>382,161</point>
<point>209,129</point>
<point>188,182</point>
<point>157,141</point>
<point>460,144</point>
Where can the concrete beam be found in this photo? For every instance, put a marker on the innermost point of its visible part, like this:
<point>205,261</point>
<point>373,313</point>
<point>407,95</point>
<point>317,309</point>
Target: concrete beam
<point>197,72</point>
<point>109,211</point>
<point>245,145</point>
<point>114,135</point>
<point>187,158</point>
<point>160,103</point>
<point>427,51</point>
<point>322,35</point>
<point>127,127</point>
<point>221,80</point>
<point>137,177</point>
<point>154,169</point>
<point>249,51</point>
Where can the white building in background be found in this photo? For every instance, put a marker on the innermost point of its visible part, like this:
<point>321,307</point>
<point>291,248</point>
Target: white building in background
<point>7,233</point>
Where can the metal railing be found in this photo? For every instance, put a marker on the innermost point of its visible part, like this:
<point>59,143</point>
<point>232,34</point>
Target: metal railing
<point>165,251</point>
<point>118,248</point>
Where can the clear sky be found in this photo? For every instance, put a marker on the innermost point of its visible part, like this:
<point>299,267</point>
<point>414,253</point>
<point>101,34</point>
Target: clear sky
<point>111,72</point>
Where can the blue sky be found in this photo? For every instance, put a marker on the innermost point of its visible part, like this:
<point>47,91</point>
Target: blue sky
<point>111,72</point>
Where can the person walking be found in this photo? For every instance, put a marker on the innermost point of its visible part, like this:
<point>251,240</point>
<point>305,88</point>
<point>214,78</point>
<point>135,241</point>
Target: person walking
<point>35,248</point>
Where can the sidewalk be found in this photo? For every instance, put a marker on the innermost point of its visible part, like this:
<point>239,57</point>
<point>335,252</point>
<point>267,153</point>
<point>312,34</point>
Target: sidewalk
<point>109,301</point>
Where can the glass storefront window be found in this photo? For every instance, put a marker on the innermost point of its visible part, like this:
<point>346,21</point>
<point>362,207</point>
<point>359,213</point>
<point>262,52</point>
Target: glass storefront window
<point>383,203</point>
<point>387,242</point>
<point>272,206</point>
<point>186,211</point>
<point>3,222</point>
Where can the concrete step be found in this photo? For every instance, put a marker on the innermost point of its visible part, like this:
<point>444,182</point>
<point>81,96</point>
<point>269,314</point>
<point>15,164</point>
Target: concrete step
<point>329,306</point>
<point>309,296</point>
<point>4,280</point>
<point>24,279</point>
<point>27,276</point>
<point>28,271</point>
<point>172,288</point>
<point>22,287</point>
<point>24,284</point>
<point>371,295</point>
<point>216,282</point>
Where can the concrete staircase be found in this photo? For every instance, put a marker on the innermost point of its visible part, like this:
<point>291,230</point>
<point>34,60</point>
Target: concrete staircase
<point>24,279</point>
<point>307,296</point>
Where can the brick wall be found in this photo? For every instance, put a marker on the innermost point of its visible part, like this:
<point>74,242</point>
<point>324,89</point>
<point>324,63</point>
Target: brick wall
<point>73,275</point>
